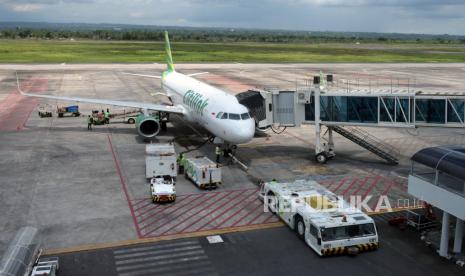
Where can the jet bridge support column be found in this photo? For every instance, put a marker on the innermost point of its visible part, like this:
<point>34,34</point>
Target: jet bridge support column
<point>322,152</point>
<point>319,151</point>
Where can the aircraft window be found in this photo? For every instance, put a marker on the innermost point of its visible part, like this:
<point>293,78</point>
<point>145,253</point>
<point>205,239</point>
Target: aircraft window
<point>225,116</point>
<point>245,116</point>
<point>233,116</point>
<point>219,115</point>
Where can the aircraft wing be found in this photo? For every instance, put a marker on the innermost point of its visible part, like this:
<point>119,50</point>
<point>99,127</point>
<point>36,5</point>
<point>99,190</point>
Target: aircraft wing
<point>148,106</point>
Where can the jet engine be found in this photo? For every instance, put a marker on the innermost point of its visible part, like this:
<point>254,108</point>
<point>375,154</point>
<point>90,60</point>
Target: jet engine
<point>147,126</point>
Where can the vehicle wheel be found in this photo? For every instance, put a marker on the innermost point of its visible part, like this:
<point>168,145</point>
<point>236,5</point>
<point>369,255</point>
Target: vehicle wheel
<point>300,227</point>
<point>321,158</point>
<point>271,202</point>
<point>131,121</point>
<point>60,115</point>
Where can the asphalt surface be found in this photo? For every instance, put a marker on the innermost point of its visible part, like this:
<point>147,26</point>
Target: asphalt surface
<point>276,251</point>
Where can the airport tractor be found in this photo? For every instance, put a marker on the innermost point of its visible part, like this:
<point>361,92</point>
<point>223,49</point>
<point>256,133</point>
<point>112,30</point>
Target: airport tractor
<point>163,189</point>
<point>328,224</point>
<point>161,169</point>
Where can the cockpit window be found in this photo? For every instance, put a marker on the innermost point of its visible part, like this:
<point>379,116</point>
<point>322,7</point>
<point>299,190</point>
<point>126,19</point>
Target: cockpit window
<point>225,116</point>
<point>245,116</point>
<point>233,116</point>
<point>219,115</point>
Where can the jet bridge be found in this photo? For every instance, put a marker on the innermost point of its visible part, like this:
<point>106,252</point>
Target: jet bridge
<point>344,111</point>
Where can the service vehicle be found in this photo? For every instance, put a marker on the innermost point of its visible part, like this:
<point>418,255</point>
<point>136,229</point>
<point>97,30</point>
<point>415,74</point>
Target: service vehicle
<point>162,189</point>
<point>160,160</point>
<point>205,173</point>
<point>72,110</point>
<point>45,110</point>
<point>328,224</point>
<point>45,266</point>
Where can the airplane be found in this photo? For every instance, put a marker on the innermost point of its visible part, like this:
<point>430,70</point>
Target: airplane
<point>217,111</point>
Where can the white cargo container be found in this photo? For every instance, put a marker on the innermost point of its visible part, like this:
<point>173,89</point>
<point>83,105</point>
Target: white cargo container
<point>160,160</point>
<point>205,173</point>
<point>327,224</point>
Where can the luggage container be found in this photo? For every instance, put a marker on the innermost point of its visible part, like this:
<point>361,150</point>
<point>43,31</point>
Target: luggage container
<point>160,161</point>
<point>72,110</point>
<point>203,172</point>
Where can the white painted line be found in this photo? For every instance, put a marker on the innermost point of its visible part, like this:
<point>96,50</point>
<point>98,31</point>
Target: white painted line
<point>172,258</point>
<point>160,263</point>
<point>215,239</point>
<point>164,251</point>
<point>154,247</point>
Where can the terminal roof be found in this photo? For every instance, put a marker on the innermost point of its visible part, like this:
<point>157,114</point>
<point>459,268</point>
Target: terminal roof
<point>450,159</point>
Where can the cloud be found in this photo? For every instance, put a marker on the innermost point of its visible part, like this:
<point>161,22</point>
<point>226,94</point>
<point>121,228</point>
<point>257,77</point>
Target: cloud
<point>425,16</point>
<point>25,7</point>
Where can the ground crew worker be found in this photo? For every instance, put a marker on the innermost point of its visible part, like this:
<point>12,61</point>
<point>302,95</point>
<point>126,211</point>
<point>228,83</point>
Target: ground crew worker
<point>218,152</point>
<point>106,115</point>
<point>89,122</point>
<point>180,161</point>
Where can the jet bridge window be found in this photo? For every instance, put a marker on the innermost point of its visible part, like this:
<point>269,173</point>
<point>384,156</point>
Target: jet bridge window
<point>233,116</point>
<point>245,116</point>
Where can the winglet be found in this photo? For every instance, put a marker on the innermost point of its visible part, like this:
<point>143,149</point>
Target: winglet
<point>169,57</point>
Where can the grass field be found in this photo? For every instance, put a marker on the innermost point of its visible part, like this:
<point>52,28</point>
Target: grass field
<point>43,51</point>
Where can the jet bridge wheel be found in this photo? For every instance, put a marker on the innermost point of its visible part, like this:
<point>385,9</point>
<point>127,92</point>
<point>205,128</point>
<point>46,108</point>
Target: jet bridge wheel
<point>321,158</point>
<point>300,227</point>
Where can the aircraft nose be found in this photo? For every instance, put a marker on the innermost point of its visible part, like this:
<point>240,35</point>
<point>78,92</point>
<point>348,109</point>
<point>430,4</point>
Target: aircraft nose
<point>244,132</point>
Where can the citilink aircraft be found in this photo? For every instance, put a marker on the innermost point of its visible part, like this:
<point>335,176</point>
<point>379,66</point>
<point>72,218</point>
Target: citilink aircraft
<point>214,109</point>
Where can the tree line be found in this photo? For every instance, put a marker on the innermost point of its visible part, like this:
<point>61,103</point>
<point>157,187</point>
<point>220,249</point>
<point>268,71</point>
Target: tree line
<point>218,35</point>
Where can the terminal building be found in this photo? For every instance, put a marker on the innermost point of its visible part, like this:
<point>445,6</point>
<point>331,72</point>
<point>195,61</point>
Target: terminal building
<point>438,177</point>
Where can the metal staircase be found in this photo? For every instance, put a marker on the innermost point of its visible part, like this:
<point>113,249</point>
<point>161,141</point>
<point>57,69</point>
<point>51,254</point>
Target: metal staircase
<point>369,142</point>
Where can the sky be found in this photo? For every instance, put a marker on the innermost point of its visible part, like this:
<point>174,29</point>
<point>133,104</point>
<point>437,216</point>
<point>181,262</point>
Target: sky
<point>400,16</point>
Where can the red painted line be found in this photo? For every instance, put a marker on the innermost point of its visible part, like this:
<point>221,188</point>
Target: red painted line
<point>355,180</point>
<point>256,217</point>
<point>268,218</point>
<point>248,214</point>
<point>176,208</point>
<point>331,183</point>
<point>142,206</point>
<point>340,184</point>
<point>151,203</point>
<point>23,124</point>
<point>203,208</point>
<point>385,192</point>
<point>373,184</point>
<point>226,210</point>
<point>362,184</point>
<point>158,205</point>
<point>123,185</point>
<point>137,201</point>
<point>235,213</point>
<point>224,191</point>
<point>217,208</point>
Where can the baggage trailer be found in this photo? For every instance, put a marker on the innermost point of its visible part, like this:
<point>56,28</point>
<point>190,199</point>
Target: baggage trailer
<point>72,110</point>
<point>205,173</point>
<point>328,224</point>
<point>45,110</point>
<point>160,161</point>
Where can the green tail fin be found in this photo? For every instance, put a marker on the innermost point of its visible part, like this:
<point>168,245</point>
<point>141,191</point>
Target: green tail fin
<point>169,57</point>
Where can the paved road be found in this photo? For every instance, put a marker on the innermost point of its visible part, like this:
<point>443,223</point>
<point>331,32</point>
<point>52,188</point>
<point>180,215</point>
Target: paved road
<point>263,252</point>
